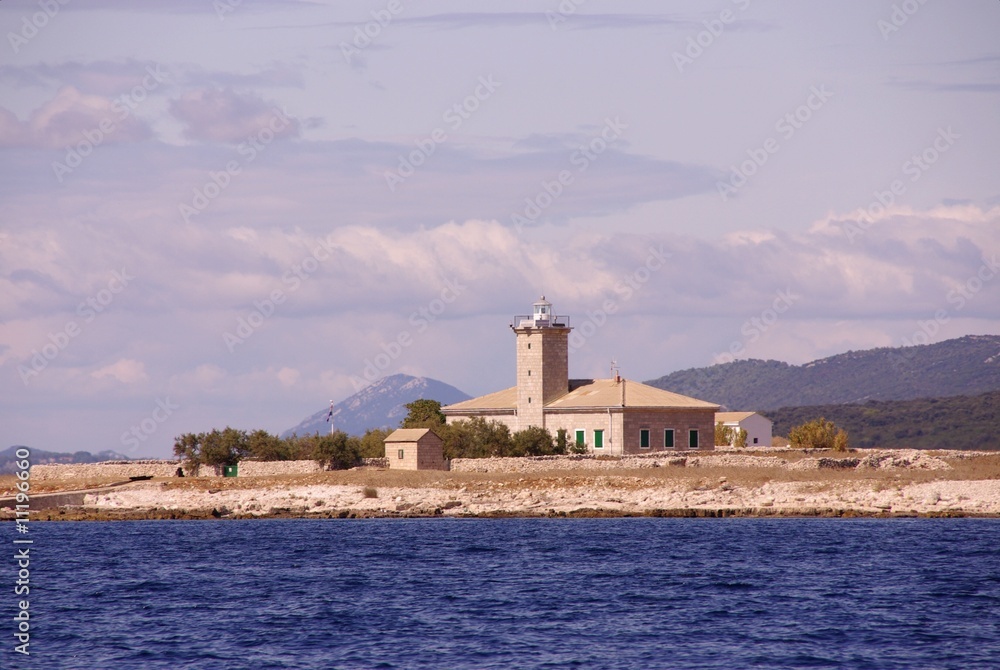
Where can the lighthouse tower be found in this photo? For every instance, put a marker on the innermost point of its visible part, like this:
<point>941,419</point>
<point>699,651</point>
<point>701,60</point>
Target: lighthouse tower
<point>542,362</point>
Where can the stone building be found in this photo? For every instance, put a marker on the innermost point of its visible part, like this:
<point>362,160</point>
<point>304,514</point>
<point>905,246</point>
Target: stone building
<point>610,416</point>
<point>415,449</point>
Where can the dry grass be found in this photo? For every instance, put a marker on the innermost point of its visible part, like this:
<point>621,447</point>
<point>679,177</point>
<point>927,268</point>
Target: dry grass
<point>964,467</point>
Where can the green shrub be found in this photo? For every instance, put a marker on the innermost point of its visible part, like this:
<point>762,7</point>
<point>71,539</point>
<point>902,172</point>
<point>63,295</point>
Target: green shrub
<point>533,441</point>
<point>818,434</point>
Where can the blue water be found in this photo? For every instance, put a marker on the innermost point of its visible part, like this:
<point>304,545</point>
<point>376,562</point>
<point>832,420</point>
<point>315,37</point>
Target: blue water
<point>519,593</point>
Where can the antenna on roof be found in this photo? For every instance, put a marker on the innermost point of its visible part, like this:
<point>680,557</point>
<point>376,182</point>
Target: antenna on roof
<point>614,371</point>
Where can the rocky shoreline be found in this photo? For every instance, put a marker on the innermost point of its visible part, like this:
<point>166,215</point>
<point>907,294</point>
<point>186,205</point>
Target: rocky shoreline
<point>710,484</point>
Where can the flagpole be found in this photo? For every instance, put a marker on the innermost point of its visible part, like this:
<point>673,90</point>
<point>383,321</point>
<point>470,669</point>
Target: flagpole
<point>329,417</point>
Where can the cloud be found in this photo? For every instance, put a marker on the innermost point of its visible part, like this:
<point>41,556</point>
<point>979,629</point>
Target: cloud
<point>224,115</point>
<point>71,117</point>
<point>125,370</point>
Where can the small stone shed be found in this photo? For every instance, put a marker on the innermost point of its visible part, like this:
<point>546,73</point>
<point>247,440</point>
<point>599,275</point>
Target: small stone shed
<point>415,449</point>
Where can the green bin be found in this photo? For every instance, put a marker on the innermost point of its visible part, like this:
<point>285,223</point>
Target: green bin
<point>229,470</point>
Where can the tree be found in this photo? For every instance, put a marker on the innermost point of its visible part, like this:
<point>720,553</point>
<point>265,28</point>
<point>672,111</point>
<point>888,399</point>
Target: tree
<point>532,441</point>
<point>336,451</point>
<point>818,434</point>
<point>723,435</point>
<point>740,438</point>
<point>561,441</point>
<point>187,447</point>
<point>226,447</point>
<point>476,438</point>
<point>372,443</point>
<point>266,447</point>
<point>423,413</point>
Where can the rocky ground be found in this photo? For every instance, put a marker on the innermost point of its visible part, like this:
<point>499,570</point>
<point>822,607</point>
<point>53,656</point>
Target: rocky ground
<point>760,483</point>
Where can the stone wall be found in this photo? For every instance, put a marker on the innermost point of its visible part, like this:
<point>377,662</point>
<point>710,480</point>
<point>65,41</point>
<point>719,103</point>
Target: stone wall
<point>272,468</point>
<point>122,470</point>
<point>586,461</point>
<point>117,470</point>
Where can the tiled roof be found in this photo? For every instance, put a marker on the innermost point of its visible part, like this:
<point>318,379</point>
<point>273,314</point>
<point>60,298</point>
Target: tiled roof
<point>589,393</point>
<point>408,434</point>
<point>506,399</point>
<point>586,393</point>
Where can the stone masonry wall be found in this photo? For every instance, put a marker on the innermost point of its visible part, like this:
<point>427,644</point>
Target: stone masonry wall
<point>122,470</point>
<point>119,470</point>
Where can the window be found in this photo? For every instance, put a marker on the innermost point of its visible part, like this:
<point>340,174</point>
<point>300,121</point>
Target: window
<point>644,438</point>
<point>401,454</point>
<point>529,399</point>
<point>529,345</point>
<point>668,438</point>
<point>598,439</point>
<point>755,440</point>
<point>581,437</point>
<point>529,373</point>
<point>693,439</point>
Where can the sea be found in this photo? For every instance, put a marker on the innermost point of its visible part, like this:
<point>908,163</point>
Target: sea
<point>512,593</point>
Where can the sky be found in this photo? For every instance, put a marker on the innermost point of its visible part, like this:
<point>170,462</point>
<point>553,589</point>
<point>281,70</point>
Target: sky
<point>232,212</point>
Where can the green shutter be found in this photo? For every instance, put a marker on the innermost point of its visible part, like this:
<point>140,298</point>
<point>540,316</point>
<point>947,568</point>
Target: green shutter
<point>581,437</point>
<point>668,438</point>
<point>598,439</point>
<point>644,438</point>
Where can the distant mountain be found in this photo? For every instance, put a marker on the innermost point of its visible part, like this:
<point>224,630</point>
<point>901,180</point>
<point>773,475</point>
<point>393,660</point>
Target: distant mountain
<point>965,366</point>
<point>959,422</point>
<point>41,457</point>
<point>378,406</point>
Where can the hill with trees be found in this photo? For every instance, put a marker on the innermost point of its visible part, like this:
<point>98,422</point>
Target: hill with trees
<point>965,366</point>
<point>958,422</point>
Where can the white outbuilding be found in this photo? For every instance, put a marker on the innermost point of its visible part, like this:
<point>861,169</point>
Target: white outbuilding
<point>758,427</point>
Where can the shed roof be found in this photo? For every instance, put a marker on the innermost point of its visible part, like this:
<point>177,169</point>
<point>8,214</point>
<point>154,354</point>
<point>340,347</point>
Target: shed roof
<point>409,434</point>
